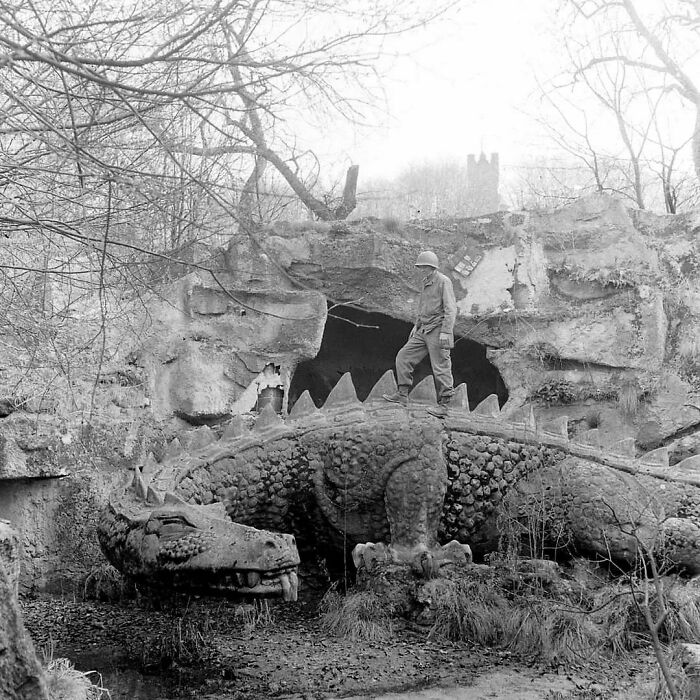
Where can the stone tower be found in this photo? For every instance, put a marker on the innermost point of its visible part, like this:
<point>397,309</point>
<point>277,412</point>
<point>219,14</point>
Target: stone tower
<point>482,184</point>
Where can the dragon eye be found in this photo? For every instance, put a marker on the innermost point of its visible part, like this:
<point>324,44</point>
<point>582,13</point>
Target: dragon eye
<point>175,520</point>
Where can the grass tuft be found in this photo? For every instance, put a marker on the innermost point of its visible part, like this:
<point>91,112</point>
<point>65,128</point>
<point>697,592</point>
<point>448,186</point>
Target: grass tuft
<point>481,612</point>
<point>628,398</point>
<point>683,620</point>
<point>105,583</point>
<point>684,685</point>
<point>187,643</point>
<point>360,616</point>
<point>255,615</point>
<point>614,610</point>
<point>65,682</point>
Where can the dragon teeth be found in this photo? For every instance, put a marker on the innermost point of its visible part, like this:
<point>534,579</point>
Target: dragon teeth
<point>294,581</point>
<point>286,586</point>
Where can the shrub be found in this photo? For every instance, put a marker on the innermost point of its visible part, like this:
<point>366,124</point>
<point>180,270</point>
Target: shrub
<point>105,583</point>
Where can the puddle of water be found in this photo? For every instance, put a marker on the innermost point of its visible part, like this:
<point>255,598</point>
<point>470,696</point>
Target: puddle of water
<point>107,666</point>
<point>127,684</point>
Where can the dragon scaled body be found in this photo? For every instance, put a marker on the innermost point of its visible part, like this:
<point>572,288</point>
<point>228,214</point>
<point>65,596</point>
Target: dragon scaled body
<point>352,474</point>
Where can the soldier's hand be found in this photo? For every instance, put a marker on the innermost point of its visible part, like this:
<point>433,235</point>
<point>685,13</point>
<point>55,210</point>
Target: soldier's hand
<point>444,340</point>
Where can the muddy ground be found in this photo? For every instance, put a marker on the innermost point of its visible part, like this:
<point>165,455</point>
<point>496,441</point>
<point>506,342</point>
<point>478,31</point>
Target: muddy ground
<point>219,650</point>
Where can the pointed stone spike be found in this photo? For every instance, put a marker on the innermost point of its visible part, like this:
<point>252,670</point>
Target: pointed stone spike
<point>559,426</point>
<point>139,485</point>
<point>342,394</point>
<point>689,463</point>
<point>460,399</point>
<point>655,458</point>
<point>199,438</point>
<point>626,447</point>
<point>172,500</point>
<point>154,497</point>
<point>235,428</point>
<point>424,392</point>
<point>385,385</point>
<point>149,465</point>
<point>173,450</point>
<point>488,407</point>
<point>304,406</point>
<point>267,419</point>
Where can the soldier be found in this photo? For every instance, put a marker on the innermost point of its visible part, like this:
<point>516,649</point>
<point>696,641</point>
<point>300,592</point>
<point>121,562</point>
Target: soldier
<point>432,335</point>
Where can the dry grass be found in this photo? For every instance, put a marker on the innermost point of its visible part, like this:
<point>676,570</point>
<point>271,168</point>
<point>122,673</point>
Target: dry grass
<point>683,621</point>
<point>255,615</point>
<point>480,612</point>
<point>681,679</point>
<point>360,616</point>
<point>628,398</point>
<point>105,583</point>
<point>469,610</point>
<point>689,347</point>
<point>617,614</point>
<point>67,683</point>
<point>188,643</point>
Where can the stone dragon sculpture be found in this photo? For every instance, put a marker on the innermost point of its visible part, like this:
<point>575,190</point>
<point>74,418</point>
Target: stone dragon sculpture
<point>353,473</point>
<point>157,539</point>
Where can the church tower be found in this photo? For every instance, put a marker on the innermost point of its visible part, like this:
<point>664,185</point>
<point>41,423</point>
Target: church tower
<point>482,184</point>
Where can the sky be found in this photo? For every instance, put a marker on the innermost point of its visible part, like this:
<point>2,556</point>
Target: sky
<point>467,85</point>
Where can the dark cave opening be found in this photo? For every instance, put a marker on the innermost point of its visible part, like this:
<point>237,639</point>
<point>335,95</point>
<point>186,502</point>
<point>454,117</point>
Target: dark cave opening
<point>365,344</point>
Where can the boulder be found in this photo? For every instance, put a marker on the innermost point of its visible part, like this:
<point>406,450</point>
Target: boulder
<point>21,675</point>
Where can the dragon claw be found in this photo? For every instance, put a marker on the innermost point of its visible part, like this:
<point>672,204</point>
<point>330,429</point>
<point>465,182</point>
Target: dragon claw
<point>424,561</point>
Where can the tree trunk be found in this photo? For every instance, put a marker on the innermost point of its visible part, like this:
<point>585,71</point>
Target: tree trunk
<point>696,142</point>
<point>349,193</point>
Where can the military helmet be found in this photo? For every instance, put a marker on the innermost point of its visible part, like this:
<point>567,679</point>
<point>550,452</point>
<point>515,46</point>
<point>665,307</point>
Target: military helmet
<point>427,257</point>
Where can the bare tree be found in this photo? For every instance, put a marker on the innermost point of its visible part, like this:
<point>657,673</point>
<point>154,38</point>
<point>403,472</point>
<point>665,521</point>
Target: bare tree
<point>132,132</point>
<point>632,59</point>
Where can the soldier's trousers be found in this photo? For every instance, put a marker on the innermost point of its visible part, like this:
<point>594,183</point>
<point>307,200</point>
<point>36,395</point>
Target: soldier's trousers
<point>416,348</point>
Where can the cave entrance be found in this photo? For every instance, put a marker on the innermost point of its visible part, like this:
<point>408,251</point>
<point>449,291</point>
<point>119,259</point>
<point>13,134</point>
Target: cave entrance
<point>365,344</point>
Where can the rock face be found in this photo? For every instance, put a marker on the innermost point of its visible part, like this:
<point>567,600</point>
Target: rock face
<point>21,676</point>
<point>9,554</point>
<point>203,353</point>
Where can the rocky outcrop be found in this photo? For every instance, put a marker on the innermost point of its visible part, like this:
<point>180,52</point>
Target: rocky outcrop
<point>9,554</point>
<point>588,310</point>
<point>21,676</point>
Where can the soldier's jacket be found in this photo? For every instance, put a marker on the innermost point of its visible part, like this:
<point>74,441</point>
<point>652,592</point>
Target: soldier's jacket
<point>437,306</point>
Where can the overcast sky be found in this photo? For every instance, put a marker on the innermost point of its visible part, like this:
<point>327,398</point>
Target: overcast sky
<point>468,84</point>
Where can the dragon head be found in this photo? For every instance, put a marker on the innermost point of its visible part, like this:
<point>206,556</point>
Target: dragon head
<point>164,542</point>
